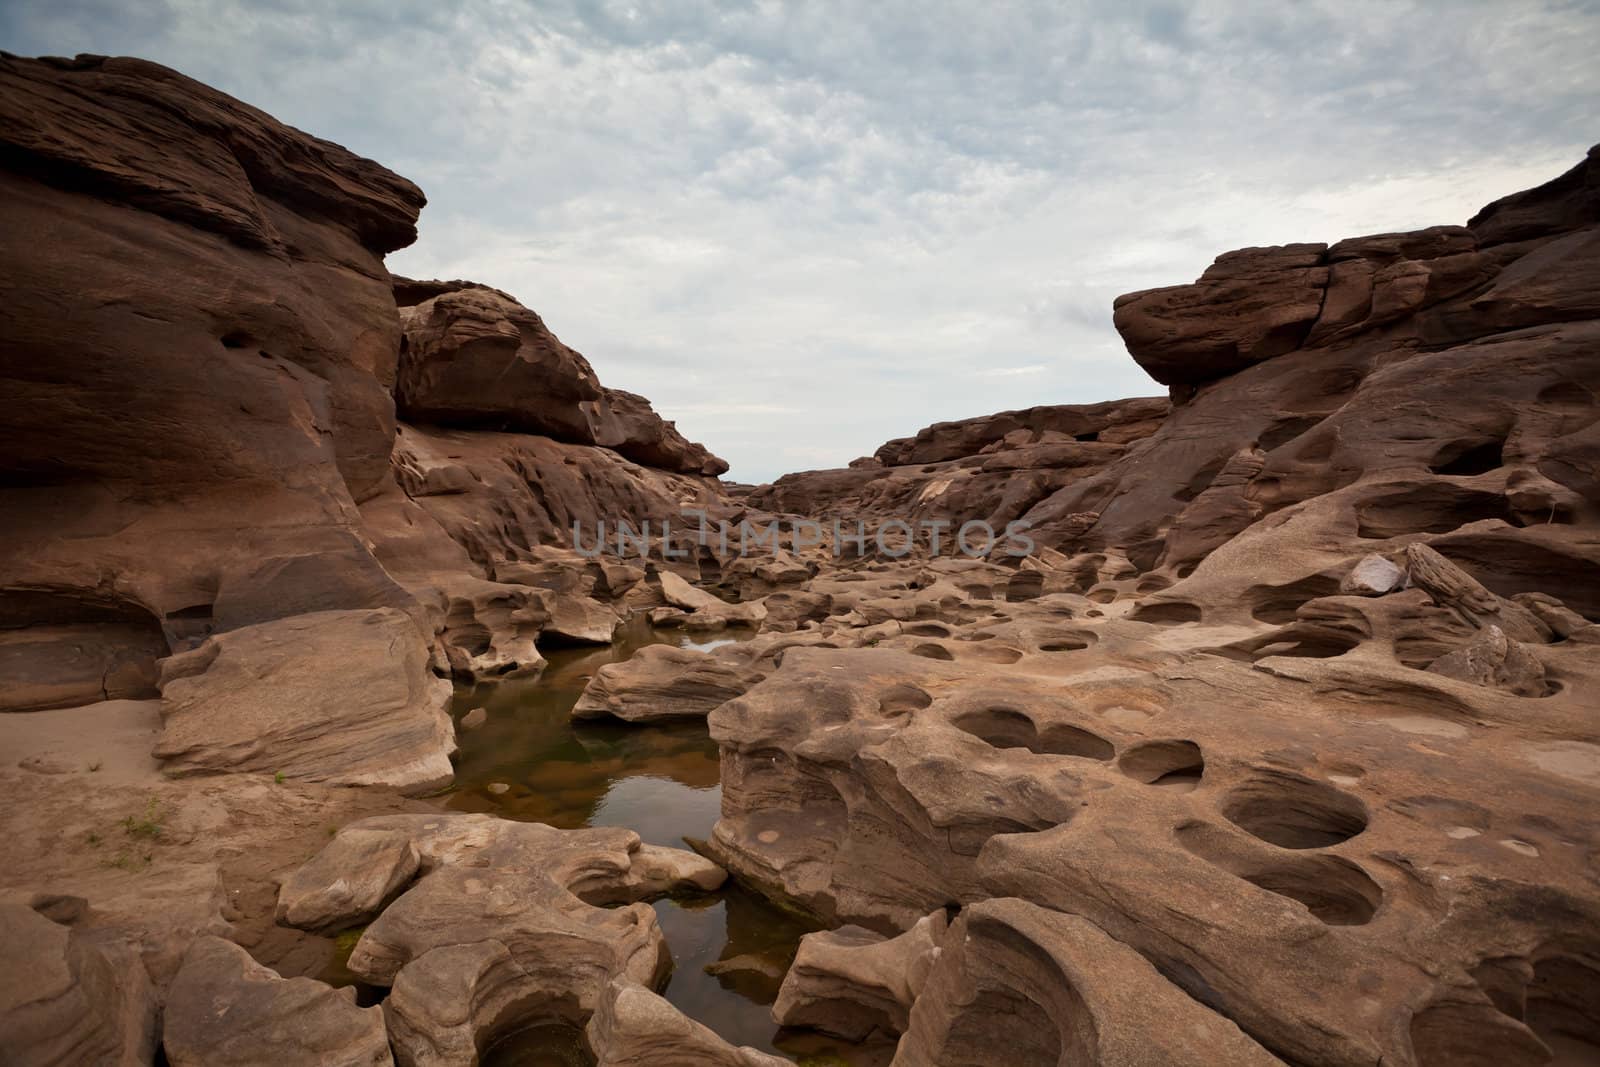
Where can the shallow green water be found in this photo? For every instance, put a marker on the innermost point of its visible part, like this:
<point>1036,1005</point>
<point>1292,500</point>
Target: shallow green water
<point>661,781</point>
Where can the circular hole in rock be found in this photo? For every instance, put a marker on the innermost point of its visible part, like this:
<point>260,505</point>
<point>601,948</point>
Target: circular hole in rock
<point>1176,765</point>
<point>1454,1034</point>
<point>1064,740</point>
<point>902,700</point>
<point>545,1044</point>
<point>1166,613</point>
<point>1293,812</point>
<point>928,629</point>
<point>1008,728</point>
<point>1333,889</point>
<point>929,650</point>
<point>994,654</point>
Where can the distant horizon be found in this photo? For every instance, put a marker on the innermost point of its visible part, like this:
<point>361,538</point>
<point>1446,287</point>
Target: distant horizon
<point>804,233</point>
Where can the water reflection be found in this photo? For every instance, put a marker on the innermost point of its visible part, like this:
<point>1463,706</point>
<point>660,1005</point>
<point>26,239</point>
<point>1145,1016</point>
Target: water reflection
<point>529,761</point>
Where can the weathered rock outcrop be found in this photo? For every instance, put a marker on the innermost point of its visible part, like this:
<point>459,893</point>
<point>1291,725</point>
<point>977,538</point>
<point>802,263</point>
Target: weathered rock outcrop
<point>1021,984</point>
<point>1446,386</point>
<point>68,998</point>
<point>1307,692</point>
<point>201,355</point>
<point>474,357</point>
<point>1279,748</point>
<point>993,468</point>
<point>662,682</point>
<point>852,981</point>
<point>633,1027</point>
<point>198,342</point>
<point>223,1007</point>
<point>495,923</point>
<point>343,697</point>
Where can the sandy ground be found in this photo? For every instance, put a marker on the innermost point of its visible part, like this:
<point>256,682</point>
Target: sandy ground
<point>84,810</point>
<point>111,739</point>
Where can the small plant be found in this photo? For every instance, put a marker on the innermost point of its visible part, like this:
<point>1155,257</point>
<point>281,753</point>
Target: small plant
<point>95,766</point>
<point>333,831</point>
<point>126,861</point>
<point>148,827</point>
<point>92,838</point>
<point>278,777</point>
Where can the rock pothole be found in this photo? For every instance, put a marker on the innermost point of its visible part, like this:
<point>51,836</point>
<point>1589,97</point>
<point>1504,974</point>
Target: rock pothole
<point>1294,812</point>
<point>1336,891</point>
<point>1008,728</point>
<point>1175,765</point>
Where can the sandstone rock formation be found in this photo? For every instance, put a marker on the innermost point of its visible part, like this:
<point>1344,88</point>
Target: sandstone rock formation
<point>1019,984</point>
<point>343,697</point>
<point>67,997</point>
<point>994,468</point>
<point>1237,736</point>
<point>633,1027</point>
<point>203,354</point>
<point>483,925</point>
<point>661,682</point>
<point>223,1007</point>
<point>474,357</point>
<point>852,981</point>
<point>1279,747</point>
<point>198,344</point>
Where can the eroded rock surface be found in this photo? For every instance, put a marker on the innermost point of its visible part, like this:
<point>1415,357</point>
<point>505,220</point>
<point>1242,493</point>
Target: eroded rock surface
<point>223,1007</point>
<point>634,1027</point>
<point>67,997</point>
<point>341,697</point>
<point>661,682</point>
<point>851,981</point>
<point>994,468</point>
<point>1279,747</point>
<point>1300,686</point>
<point>495,924</point>
<point>1021,984</point>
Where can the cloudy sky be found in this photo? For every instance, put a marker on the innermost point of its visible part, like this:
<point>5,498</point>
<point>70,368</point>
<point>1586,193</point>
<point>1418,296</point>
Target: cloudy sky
<point>802,229</point>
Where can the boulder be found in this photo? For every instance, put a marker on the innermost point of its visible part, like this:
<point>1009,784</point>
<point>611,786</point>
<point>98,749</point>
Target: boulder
<point>634,1027</point>
<point>850,981</point>
<point>68,997</point>
<point>476,358</point>
<point>500,928</point>
<point>707,612</point>
<point>350,881</point>
<point>223,1007</point>
<point>343,697</point>
<point>661,682</point>
<point>1496,661</point>
<point>1372,575</point>
<point>1021,984</point>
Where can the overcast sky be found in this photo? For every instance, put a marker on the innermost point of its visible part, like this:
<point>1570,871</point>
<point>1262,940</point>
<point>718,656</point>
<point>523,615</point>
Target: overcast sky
<point>803,229</point>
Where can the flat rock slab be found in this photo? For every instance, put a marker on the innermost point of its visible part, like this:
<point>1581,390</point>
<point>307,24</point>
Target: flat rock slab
<point>343,697</point>
<point>662,682</point>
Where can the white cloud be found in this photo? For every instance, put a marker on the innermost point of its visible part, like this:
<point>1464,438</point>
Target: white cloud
<point>804,229</point>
